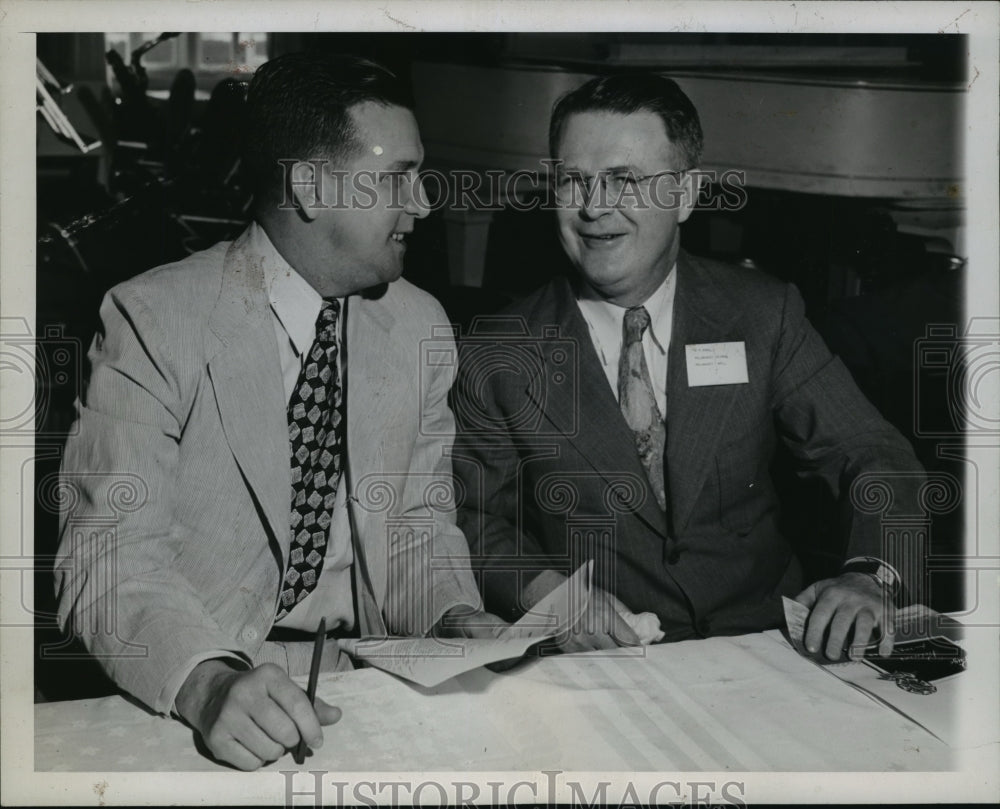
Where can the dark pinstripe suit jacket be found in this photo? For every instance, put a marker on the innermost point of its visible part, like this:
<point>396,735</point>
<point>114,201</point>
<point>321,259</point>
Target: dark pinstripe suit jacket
<point>550,476</point>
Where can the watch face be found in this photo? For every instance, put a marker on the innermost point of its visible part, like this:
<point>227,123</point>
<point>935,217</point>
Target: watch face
<point>885,576</point>
<point>924,660</point>
<point>878,570</point>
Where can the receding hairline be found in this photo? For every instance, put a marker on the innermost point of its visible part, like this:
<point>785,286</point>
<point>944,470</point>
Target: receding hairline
<point>675,146</point>
<point>627,94</point>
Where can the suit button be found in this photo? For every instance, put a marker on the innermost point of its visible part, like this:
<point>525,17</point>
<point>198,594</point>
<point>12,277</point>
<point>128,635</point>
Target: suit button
<point>673,555</point>
<point>249,634</point>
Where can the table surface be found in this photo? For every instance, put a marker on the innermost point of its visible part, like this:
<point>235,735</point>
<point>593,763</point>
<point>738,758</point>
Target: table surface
<point>746,703</point>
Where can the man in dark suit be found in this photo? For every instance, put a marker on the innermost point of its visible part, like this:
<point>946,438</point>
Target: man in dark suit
<point>630,414</point>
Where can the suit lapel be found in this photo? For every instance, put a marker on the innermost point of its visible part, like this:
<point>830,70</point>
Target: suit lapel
<point>587,414</point>
<point>703,313</point>
<point>373,374</point>
<point>246,376</point>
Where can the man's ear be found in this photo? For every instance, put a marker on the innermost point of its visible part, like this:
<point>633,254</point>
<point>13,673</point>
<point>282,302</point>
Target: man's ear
<point>690,188</point>
<point>306,184</point>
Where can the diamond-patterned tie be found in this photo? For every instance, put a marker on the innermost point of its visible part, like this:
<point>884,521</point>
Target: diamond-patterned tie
<point>315,432</point>
<point>638,402</point>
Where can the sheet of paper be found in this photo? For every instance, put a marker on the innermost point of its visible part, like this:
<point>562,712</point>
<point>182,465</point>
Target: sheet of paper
<point>796,615</point>
<point>716,364</point>
<point>431,661</point>
<point>559,610</point>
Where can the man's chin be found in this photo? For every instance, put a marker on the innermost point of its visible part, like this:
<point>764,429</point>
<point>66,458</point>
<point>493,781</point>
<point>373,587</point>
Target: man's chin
<point>387,276</point>
<point>602,277</point>
<point>373,293</point>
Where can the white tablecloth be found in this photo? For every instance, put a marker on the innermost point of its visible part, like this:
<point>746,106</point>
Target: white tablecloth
<point>746,703</point>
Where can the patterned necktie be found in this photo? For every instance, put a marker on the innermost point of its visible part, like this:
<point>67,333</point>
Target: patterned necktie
<point>638,402</point>
<point>315,432</point>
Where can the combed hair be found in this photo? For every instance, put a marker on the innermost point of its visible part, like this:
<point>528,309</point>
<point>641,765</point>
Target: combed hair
<point>298,108</point>
<point>630,93</point>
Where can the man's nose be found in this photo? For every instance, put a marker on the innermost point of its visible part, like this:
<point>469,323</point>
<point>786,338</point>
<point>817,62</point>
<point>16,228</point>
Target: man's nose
<point>595,201</point>
<point>415,201</point>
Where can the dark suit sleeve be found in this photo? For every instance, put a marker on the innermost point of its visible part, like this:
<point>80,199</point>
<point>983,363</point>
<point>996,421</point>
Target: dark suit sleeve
<point>488,454</point>
<point>838,436</point>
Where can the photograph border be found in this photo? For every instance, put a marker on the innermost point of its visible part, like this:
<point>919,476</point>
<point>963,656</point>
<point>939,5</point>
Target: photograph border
<point>975,778</point>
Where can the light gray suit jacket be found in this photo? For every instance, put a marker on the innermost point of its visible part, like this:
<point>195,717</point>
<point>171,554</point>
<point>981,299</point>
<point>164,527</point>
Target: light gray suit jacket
<point>176,481</point>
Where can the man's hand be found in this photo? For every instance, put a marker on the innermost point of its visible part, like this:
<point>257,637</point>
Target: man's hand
<point>851,599</point>
<point>602,625</point>
<point>465,622</point>
<point>646,625</point>
<point>248,718</point>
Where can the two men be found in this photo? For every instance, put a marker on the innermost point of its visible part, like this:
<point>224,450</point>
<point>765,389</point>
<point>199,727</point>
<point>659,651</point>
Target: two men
<point>630,414</point>
<point>261,397</point>
<point>264,406</point>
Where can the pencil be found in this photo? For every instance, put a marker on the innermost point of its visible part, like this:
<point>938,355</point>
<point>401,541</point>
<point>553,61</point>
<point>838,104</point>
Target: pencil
<point>300,748</point>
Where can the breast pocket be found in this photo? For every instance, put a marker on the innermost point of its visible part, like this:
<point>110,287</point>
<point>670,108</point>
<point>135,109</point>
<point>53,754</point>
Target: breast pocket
<point>744,484</point>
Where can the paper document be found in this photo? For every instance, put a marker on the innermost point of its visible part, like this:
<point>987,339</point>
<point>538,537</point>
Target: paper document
<point>796,615</point>
<point>559,610</point>
<point>431,661</point>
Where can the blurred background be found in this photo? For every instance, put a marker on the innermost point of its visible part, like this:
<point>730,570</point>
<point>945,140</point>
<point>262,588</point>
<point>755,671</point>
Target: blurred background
<point>850,145</point>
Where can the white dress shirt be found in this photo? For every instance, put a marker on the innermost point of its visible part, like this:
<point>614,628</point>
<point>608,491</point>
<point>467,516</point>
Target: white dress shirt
<point>605,322</point>
<point>295,306</point>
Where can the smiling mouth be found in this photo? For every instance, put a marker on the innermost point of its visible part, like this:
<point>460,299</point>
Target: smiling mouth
<point>399,238</point>
<point>601,239</point>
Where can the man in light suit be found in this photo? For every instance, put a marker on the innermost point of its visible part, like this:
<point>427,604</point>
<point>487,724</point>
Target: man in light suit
<point>629,415</point>
<point>260,417</point>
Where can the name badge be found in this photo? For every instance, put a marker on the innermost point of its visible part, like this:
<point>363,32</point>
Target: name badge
<point>716,364</point>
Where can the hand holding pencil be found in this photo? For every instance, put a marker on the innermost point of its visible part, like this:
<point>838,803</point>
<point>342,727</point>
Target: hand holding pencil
<point>251,717</point>
<point>317,657</point>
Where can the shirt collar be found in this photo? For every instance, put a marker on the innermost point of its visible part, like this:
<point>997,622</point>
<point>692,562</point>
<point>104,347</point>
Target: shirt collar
<point>294,302</point>
<point>609,316</point>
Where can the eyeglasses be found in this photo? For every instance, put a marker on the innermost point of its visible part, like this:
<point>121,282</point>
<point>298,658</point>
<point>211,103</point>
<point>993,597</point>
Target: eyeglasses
<point>615,186</point>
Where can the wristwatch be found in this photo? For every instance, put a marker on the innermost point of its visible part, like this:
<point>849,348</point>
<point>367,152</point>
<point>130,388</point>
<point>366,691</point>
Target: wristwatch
<point>883,573</point>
